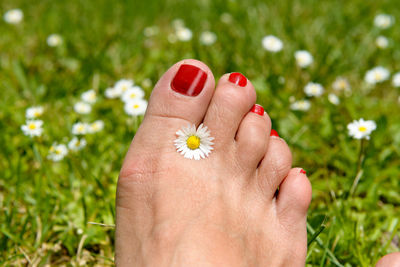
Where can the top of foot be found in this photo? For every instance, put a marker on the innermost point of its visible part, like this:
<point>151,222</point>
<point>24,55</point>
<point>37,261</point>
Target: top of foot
<point>221,210</point>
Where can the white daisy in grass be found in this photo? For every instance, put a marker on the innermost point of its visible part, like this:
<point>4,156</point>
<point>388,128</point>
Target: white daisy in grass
<point>32,128</point>
<point>341,84</point>
<point>133,93</point>
<point>377,75</point>
<point>89,96</point>
<point>361,129</point>
<point>382,42</point>
<point>208,38</point>
<point>383,21</point>
<point>13,16</point>
<point>135,107</point>
<point>57,152</point>
<point>314,89</point>
<point>34,112</point>
<point>194,144</point>
<point>54,40</point>
<point>184,34</point>
<point>334,99</point>
<point>151,31</point>
<point>396,79</point>
<point>82,108</point>
<point>80,128</point>
<point>302,105</point>
<point>272,43</point>
<point>96,126</point>
<point>122,85</point>
<point>77,144</point>
<point>112,93</point>
<point>303,58</point>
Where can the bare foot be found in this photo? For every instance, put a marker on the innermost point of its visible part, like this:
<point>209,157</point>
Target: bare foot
<point>390,260</point>
<point>222,210</point>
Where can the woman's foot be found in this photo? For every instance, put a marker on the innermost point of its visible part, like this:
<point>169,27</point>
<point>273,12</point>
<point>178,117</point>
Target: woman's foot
<point>222,210</point>
<point>390,260</point>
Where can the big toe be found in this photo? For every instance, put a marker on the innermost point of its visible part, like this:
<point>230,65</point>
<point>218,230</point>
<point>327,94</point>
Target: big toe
<point>390,260</point>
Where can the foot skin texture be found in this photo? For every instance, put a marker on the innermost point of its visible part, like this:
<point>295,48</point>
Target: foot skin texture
<point>221,210</point>
<point>390,260</point>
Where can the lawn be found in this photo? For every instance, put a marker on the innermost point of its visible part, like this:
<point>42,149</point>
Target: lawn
<point>60,210</point>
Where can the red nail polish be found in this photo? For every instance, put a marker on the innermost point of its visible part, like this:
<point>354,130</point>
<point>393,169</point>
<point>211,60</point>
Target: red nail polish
<point>257,109</point>
<point>274,133</point>
<point>189,80</point>
<point>238,79</point>
<point>303,171</point>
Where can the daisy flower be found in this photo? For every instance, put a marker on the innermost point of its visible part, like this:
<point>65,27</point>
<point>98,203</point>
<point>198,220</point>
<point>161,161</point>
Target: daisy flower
<point>383,21</point>
<point>80,128</point>
<point>314,89</point>
<point>377,75</point>
<point>77,144</point>
<point>361,129</point>
<point>82,108</point>
<point>302,105</point>
<point>135,107</point>
<point>34,112</point>
<point>334,99</point>
<point>147,83</point>
<point>303,58</point>
<point>89,96</point>
<point>132,93</point>
<point>208,38</point>
<point>13,16</point>
<point>226,18</point>
<point>184,34</point>
<point>396,79</point>
<point>32,128</point>
<point>178,23</point>
<point>382,42</point>
<point>341,84</point>
<point>111,93</point>
<point>57,152</point>
<point>272,43</point>
<point>192,143</point>
<point>54,40</point>
<point>96,126</point>
<point>122,85</point>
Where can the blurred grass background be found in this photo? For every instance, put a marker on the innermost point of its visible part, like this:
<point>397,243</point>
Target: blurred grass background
<point>46,206</point>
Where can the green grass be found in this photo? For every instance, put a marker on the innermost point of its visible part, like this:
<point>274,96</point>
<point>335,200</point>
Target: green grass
<point>46,207</point>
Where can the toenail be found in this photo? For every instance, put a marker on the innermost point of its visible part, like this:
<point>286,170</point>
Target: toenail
<point>274,133</point>
<point>189,80</point>
<point>258,109</point>
<point>238,79</point>
<point>303,171</point>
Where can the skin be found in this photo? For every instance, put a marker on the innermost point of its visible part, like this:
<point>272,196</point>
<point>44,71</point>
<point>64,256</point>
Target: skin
<point>223,210</point>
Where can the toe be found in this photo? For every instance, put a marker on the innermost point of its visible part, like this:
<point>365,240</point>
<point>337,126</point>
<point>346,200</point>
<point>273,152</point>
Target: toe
<point>294,196</point>
<point>183,92</point>
<point>232,100</point>
<point>275,165</point>
<point>252,137</point>
<point>390,260</point>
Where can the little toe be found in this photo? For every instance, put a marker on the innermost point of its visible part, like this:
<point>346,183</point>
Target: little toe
<point>294,196</point>
<point>252,137</point>
<point>233,98</point>
<point>390,260</point>
<point>275,165</point>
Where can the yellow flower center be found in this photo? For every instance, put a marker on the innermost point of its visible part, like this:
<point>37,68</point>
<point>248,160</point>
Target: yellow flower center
<point>193,142</point>
<point>136,106</point>
<point>378,76</point>
<point>32,126</point>
<point>133,95</point>
<point>36,114</point>
<point>362,128</point>
<point>58,152</point>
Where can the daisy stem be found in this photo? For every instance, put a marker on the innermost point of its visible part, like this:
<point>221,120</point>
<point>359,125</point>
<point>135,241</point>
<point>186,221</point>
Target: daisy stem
<point>360,170</point>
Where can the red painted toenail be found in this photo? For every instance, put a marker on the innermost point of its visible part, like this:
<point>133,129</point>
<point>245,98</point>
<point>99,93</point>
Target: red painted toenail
<point>257,109</point>
<point>303,171</point>
<point>274,133</point>
<point>189,80</point>
<point>238,79</point>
